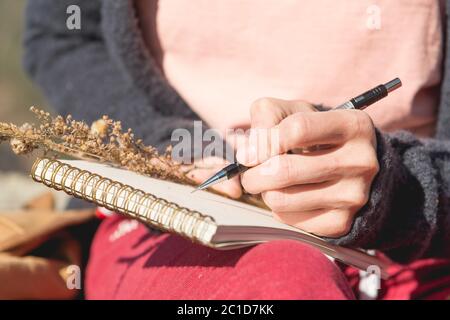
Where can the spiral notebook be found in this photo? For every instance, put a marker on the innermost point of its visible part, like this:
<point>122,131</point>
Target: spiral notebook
<point>204,217</point>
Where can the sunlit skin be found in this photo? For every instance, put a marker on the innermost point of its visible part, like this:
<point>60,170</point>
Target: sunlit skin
<point>318,191</point>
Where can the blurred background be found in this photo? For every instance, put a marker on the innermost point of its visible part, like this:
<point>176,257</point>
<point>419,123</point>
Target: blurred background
<point>17,94</point>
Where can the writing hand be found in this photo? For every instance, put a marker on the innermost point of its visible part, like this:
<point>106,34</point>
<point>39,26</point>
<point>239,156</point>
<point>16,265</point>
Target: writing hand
<point>321,190</point>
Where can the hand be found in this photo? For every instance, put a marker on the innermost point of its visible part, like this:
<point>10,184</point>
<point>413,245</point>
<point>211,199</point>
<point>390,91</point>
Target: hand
<point>321,190</point>
<point>203,169</point>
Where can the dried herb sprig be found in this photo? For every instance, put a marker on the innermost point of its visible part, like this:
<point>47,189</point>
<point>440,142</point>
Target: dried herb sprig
<point>103,141</point>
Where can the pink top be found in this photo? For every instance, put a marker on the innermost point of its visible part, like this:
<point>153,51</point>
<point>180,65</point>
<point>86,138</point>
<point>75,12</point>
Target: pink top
<point>222,55</point>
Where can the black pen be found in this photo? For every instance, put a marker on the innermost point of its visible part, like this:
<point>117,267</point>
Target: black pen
<point>360,102</point>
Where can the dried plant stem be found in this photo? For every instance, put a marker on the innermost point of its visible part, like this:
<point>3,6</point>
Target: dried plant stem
<point>103,141</point>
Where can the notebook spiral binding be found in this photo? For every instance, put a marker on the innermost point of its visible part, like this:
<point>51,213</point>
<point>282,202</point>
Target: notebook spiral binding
<point>123,199</point>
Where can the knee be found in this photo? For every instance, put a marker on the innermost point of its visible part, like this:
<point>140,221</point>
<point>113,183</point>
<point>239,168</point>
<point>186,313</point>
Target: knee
<point>287,252</point>
<point>289,270</point>
<point>287,257</point>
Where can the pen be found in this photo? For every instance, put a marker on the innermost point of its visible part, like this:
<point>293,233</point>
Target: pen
<point>360,102</point>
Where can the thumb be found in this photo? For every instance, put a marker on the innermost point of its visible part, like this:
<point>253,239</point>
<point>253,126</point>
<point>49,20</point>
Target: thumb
<point>268,112</point>
<point>264,139</point>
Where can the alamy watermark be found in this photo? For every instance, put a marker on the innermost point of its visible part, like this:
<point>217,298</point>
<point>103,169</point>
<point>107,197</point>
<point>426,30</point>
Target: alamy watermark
<point>373,21</point>
<point>73,277</point>
<point>370,283</point>
<point>202,144</point>
<point>73,21</point>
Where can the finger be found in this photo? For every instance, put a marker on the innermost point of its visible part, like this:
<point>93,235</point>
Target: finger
<point>309,129</point>
<point>352,159</point>
<point>322,222</point>
<point>237,139</point>
<point>231,188</point>
<point>268,112</point>
<point>303,129</point>
<point>352,193</point>
<point>302,198</point>
<point>289,169</point>
<point>211,163</point>
<point>207,167</point>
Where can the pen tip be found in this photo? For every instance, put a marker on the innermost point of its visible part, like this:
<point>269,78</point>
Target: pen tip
<point>200,187</point>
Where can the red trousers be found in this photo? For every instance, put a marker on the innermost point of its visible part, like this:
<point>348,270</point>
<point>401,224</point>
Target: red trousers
<point>129,262</point>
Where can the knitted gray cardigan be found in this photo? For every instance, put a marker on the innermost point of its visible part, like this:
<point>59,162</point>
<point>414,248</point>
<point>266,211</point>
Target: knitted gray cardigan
<point>104,68</point>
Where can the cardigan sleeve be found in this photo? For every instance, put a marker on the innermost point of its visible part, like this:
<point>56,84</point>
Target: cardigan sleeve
<point>408,212</point>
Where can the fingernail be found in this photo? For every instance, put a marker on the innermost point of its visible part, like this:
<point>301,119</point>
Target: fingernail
<point>246,155</point>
